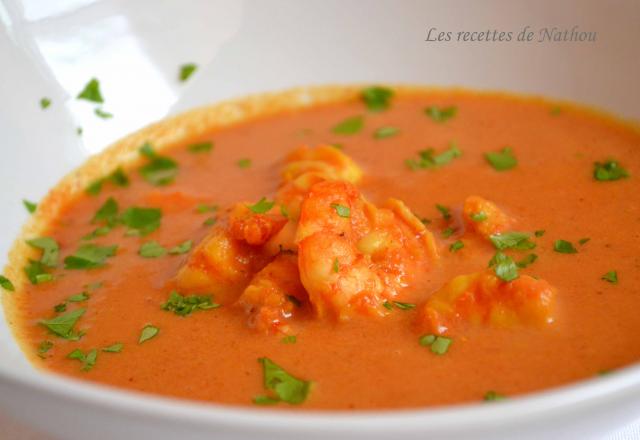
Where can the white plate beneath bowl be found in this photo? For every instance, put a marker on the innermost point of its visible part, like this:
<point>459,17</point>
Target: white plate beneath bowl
<point>52,48</point>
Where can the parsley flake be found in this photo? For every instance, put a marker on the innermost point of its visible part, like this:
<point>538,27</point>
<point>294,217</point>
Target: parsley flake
<point>512,240</point>
<point>377,98</point>
<point>103,114</point>
<point>88,360</point>
<point>502,160</point>
<point>441,114</point>
<point>115,348</point>
<point>244,163</point>
<point>564,247</point>
<point>262,206</point>
<point>62,325</point>
<point>429,159</point>
<point>611,277</point>
<point>89,256</point>
<point>45,103</point>
<point>182,248</point>
<point>6,284</point>
<point>445,211</point>
<point>141,221</point>
<point>148,332</point>
<point>492,396</point>
<point>456,246</point>
<point>439,345</point>
<point>385,132</point>
<point>349,126</point>
<point>29,206</point>
<point>200,147</point>
<point>160,170</point>
<point>284,386</point>
<point>50,250</point>
<point>186,70</point>
<point>152,249</point>
<point>504,267</point>
<point>341,210</point>
<point>91,92</point>
<point>609,170</point>
<point>183,305</point>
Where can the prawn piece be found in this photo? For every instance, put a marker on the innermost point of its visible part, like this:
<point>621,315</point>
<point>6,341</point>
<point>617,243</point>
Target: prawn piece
<point>354,256</point>
<point>325,160</point>
<point>253,228</point>
<point>273,296</point>
<point>484,217</point>
<point>484,299</point>
<point>220,265</point>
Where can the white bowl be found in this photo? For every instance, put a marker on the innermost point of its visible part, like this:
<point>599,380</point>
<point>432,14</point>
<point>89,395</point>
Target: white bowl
<point>52,48</point>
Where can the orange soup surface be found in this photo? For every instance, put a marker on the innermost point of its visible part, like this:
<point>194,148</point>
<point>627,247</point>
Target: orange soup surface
<point>520,274</point>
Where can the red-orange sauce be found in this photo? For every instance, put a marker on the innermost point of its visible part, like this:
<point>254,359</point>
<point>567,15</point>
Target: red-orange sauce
<point>374,363</point>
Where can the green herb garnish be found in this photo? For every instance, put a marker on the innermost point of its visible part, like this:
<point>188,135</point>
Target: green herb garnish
<point>492,396</point>
<point>182,248</point>
<point>62,325</point>
<point>290,339</point>
<point>107,213</point>
<point>377,98</point>
<point>284,386</point>
<point>186,70</point>
<point>45,103</point>
<point>341,210</point>
<point>29,206</point>
<point>6,284</point>
<point>445,211</point>
<point>148,332</point>
<point>504,267</point>
<point>479,216</point>
<point>441,114</point>
<point>152,249</point>
<point>349,126</point>
<point>44,348</point>
<point>539,233</point>
<point>385,132</point>
<point>244,163</point>
<point>502,160</point>
<point>89,256</point>
<point>141,221</point>
<point>526,261</point>
<point>611,277</point>
<point>439,344</point>
<point>88,360</point>
<point>185,305</point>
<point>115,348</point>
<point>50,250</point>
<point>102,114</point>
<point>118,178</point>
<point>512,240</point>
<point>404,305</point>
<point>428,159</point>
<point>37,273</point>
<point>564,247</point>
<point>91,92</point>
<point>201,147</point>
<point>160,170</point>
<point>609,170</point>
<point>262,206</point>
<point>456,246</point>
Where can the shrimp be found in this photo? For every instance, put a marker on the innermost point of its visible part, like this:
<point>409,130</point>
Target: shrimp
<point>484,217</point>
<point>305,167</point>
<point>220,265</point>
<point>254,228</point>
<point>483,298</point>
<point>354,256</point>
<point>274,296</point>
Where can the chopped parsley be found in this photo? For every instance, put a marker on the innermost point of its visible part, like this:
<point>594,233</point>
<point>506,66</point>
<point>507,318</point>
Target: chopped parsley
<point>349,126</point>
<point>438,344</point>
<point>148,332</point>
<point>479,216</point>
<point>204,208</point>
<point>181,248</point>
<point>445,211</point>
<point>441,114</point>
<point>89,256</point>
<point>243,163</point>
<point>429,159</point>
<point>184,305</point>
<point>555,110</point>
<point>341,210</point>
<point>44,348</point>
<point>404,305</point>
<point>336,265</point>
<point>583,241</point>
<point>609,170</point>
<point>98,232</point>
<point>539,233</point>
<point>201,147</point>
<point>502,160</point>
<point>283,386</point>
<point>492,396</point>
<point>290,339</point>
<point>50,250</point>
<point>564,247</point>
<point>45,103</point>
<point>611,277</point>
<point>37,273</point>
<point>512,240</point>
<point>107,213</point>
<point>88,360</point>
<point>6,284</point>
<point>115,348</point>
<point>141,221</point>
<point>377,98</point>
<point>262,206</point>
<point>78,297</point>
<point>526,261</point>
<point>152,249</point>
<point>504,267</point>
<point>448,232</point>
<point>456,246</point>
<point>160,170</point>
<point>91,92</point>
<point>62,325</point>
<point>29,206</point>
<point>102,114</point>
<point>117,177</point>
<point>210,221</point>
<point>385,132</point>
<point>186,70</point>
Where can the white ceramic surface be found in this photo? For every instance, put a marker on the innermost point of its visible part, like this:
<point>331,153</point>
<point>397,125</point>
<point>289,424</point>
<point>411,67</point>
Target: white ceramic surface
<point>52,47</point>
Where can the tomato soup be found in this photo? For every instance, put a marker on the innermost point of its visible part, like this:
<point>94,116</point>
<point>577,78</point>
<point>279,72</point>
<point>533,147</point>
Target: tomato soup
<point>388,249</point>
